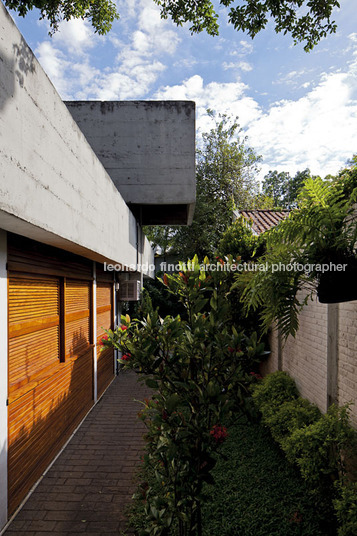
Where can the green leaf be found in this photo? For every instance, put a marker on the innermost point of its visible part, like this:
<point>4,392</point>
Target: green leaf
<point>153,384</point>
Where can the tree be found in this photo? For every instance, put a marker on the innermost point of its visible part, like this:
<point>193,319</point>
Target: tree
<point>225,180</point>
<point>306,20</point>
<point>101,13</point>
<point>283,188</point>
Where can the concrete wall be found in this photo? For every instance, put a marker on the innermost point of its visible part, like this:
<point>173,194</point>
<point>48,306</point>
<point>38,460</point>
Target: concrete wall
<point>147,147</point>
<point>52,186</point>
<point>322,357</point>
<point>3,379</point>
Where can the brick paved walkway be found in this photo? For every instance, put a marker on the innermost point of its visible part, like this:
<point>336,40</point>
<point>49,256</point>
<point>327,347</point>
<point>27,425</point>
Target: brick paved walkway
<point>91,483</point>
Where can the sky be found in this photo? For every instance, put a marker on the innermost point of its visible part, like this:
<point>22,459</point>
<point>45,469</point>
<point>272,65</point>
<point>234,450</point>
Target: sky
<point>298,109</point>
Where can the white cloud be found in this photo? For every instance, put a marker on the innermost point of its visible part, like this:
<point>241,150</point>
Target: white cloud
<point>136,55</point>
<point>318,131</point>
<point>223,98</point>
<point>243,49</point>
<point>76,36</point>
<point>241,65</point>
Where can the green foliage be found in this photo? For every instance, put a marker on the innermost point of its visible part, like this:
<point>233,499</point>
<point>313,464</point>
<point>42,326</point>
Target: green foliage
<point>283,188</point>
<point>321,231</point>
<point>167,304</point>
<point>317,443</point>
<point>307,21</point>
<point>346,509</point>
<point>308,26</point>
<point>196,368</point>
<point>101,13</point>
<point>257,492</point>
<point>273,391</point>
<point>317,449</point>
<point>239,241</point>
<point>291,415</point>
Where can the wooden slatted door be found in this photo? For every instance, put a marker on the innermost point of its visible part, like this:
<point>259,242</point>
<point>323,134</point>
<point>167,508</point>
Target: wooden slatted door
<point>105,357</point>
<point>50,372</point>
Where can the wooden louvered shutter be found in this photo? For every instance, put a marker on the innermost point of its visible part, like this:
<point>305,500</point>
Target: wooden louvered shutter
<point>77,318</point>
<point>34,323</point>
<point>105,357</point>
<point>34,351</point>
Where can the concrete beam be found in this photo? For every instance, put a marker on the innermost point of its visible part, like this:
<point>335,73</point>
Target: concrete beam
<point>148,149</point>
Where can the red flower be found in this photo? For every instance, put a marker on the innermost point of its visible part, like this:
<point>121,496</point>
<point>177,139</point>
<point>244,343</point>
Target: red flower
<point>104,340</point>
<point>125,357</point>
<point>219,433</point>
<point>256,375</point>
<point>184,277</point>
<point>123,328</point>
<point>165,279</point>
<point>232,350</point>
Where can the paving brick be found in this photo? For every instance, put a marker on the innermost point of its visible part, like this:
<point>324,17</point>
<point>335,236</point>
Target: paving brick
<point>90,484</point>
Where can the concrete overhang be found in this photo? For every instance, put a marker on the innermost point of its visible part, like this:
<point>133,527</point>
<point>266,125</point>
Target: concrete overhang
<point>53,188</point>
<point>148,150</point>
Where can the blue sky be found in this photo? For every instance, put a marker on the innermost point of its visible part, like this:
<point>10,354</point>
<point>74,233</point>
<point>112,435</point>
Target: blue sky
<point>298,109</point>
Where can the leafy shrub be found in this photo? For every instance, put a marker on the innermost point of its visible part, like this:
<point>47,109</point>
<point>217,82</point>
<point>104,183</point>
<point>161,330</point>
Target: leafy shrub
<point>195,365</point>
<point>317,448</point>
<point>239,241</point>
<point>292,415</point>
<point>273,391</point>
<point>346,509</point>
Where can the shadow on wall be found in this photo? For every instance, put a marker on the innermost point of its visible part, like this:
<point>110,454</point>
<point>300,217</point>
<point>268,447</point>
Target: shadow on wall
<point>42,419</point>
<point>16,63</point>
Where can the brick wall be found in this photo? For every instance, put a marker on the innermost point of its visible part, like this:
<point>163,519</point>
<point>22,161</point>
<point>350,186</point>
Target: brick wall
<point>347,356</point>
<point>305,357</point>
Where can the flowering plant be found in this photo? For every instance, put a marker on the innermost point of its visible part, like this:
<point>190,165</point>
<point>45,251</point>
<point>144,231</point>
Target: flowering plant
<point>197,381</point>
<point>219,433</point>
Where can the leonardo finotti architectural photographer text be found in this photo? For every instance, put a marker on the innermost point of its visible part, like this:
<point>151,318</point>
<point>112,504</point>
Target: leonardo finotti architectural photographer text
<point>232,267</point>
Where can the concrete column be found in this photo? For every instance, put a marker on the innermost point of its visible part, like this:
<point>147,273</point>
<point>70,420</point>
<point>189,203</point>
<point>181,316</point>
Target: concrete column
<point>332,353</point>
<point>95,362</point>
<point>3,378</point>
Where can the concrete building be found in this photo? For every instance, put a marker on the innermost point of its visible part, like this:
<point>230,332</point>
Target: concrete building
<point>68,205</point>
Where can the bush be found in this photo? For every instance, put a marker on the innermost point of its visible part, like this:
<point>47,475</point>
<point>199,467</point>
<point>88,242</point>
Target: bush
<point>346,509</point>
<point>317,448</point>
<point>273,391</point>
<point>318,444</point>
<point>292,415</point>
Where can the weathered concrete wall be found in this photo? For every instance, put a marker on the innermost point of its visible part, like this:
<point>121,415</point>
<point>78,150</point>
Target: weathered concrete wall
<point>53,188</point>
<point>322,357</point>
<point>147,147</point>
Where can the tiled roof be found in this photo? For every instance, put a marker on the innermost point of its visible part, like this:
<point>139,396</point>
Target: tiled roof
<point>264,219</point>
